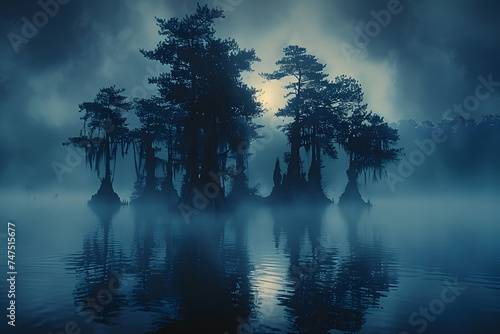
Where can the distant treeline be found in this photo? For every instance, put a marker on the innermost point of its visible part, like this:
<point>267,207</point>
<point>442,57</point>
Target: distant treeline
<point>467,151</point>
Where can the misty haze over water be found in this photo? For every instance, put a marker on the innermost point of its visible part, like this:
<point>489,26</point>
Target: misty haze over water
<point>249,166</point>
<point>275,269</point>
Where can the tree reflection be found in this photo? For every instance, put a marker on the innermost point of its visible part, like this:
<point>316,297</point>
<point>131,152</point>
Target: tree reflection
<point>202,281</point>
<point>332,291</point>
<point>98,272</point>
<point>197,277</point>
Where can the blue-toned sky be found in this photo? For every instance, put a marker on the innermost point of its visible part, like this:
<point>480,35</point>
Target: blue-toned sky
<point>415,62</point>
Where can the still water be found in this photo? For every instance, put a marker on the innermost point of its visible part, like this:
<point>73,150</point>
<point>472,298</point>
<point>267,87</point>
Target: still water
<point>405,266</point>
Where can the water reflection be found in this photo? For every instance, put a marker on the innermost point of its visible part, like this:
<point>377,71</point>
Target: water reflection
<point>98,273</point>
<point>332,291</point>
<point>146,293</point>
<point>209,277</point>
<point>215,274</point>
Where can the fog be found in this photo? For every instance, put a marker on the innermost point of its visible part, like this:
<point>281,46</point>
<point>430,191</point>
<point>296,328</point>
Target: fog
<point>428,58</point>
<point>223,216</point>
<point>257,267</point>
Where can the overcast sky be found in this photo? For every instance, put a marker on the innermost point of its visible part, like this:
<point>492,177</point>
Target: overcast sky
<point>423,59</point>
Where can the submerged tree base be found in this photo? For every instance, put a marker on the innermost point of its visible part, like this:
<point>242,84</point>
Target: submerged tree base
<point>105,195</point>
<point>352,197</point>
<point>104,211</point>
<point>169,195</point>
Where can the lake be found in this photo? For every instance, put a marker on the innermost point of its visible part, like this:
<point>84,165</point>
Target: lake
<point>407,265</point>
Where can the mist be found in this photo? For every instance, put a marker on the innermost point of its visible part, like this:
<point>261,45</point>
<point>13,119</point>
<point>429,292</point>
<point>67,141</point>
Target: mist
<point>236,166</point>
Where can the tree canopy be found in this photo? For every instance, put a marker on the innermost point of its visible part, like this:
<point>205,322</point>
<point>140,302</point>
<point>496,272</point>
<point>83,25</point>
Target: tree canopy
<point>104,132</point>
<point>204,119</point>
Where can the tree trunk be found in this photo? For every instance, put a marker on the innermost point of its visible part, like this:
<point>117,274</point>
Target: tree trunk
<point>107,173</point>
<point>210,162</point>
<point>277,174</point>
<point>192,168</point>
<point>192,156</point>
<point>210,165</point>
<point>240,186</point>
<point>314,176</point>
<point>351,195</point>
<point>106,195</point>
<point>293,169</point>
<point>150,165</point>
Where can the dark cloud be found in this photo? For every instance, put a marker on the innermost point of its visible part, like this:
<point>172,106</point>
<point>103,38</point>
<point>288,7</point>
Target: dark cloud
<point>441,47</point>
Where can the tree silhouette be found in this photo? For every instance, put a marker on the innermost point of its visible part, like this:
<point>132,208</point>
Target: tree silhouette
<point>318,107</point>
<point>98,268</point>
<point>326,110</point>
<point>369,143</point>
<point>204,118</point>
<point>158,131</point>
<point>104,132</point>
<point>237,133</point>
<point>306,73</point>
<point>277,174</point>
<point>203,80</point>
